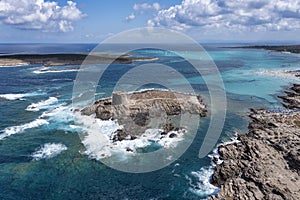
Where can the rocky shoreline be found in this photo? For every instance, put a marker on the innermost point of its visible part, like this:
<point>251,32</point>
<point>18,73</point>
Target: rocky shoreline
<point>265,162</point>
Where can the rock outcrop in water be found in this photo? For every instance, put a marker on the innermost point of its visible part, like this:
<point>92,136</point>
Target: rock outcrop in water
<point>139,111</point>
<point>265,163</point>
<point>292,99</point>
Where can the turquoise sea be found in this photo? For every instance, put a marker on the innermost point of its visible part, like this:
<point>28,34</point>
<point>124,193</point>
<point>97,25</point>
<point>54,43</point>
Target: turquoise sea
<point>42,155</point>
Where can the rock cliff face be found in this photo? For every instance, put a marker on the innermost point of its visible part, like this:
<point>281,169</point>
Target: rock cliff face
<point>265,164</point>
<point>139,111</point>
<point>292,99</point>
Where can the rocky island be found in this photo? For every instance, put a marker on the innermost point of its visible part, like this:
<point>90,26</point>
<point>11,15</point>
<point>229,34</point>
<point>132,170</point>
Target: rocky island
<point>265,162</point>
<point>148,109</point>
<point>66,59</point>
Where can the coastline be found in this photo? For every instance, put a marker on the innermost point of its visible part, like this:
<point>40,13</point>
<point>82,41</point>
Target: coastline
<point>265,163</point>
<point>277,48</point>
<point>67,59</point>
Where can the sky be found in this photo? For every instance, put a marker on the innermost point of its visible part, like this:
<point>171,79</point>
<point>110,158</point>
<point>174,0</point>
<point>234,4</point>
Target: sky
<point>92,21</point>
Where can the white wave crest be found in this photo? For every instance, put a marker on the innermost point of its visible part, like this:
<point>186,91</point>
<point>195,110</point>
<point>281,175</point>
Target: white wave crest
<point>203,187</point>
<point>21,128</point>
<point>46,70</point>
<point>99,142</point>
<point>282,74</point>
<point>42,104</point>
<point>48,150</point>
<point>12,97</point>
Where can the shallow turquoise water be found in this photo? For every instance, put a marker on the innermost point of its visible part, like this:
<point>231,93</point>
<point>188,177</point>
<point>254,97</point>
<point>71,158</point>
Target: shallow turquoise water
<point>72,174</point>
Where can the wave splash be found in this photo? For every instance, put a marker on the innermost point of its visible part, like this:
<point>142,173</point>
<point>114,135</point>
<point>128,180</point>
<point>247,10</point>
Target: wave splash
<point>203,187</point>
<point>48,150</point>
<point>98,138</point>
<point>42,104</point>
<point>21,128</point>
<point>13,97</point>
<point>47,70</point>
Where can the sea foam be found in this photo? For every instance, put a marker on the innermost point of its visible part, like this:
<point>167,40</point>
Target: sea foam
<point>42,104</point>
<point>21,128</point>
<point>47,70</point>
<point>12,97</point>
<point>203,187</point>
<point>282,74</point>
<point>48,150</point>
<point>99,134</point>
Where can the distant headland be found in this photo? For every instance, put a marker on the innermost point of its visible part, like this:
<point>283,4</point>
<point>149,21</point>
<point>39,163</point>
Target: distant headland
<point>278,48</point>
<point>67,59</point>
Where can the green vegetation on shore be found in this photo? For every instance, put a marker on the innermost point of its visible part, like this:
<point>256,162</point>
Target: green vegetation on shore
<point>279,48</point>
<point>67,59</point>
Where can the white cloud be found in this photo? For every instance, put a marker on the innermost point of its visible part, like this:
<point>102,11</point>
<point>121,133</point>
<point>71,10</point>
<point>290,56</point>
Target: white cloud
<point>142,9</point>
<point>146,6</point>
<point>130,17</point>
<point>39,14</point>
<point>156,6</point>
<point>231,14</point>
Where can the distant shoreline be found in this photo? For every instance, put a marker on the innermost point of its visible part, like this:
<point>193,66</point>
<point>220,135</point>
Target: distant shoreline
<point>67,59</point>
<point>277,48</point>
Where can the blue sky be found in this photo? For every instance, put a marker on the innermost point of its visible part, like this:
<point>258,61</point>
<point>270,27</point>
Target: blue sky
<point>81,21</point>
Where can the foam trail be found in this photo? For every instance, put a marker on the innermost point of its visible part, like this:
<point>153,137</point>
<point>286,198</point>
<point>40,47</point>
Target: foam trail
<point>45,70</point>
<point>12,97</point>
<point>11,66</point>
<point>48,150</point>
<point>42,104</point>
<point>21,128</point>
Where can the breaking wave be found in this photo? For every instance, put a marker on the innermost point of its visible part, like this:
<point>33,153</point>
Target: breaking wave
<point>48,150</point>
<point>202,187</point>
<point>42,104</point>
<point>99,134</point>
<point>12,97</point>
<point>21,128</point>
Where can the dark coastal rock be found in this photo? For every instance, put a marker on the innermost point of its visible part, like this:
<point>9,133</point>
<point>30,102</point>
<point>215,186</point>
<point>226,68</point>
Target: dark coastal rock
<point>168,127</point>
<point>119,135</point>
<point>147,109</point>
<point>265,163</point>
<point>140,118</point>
<point>172,135</point>
<point>292,99</point>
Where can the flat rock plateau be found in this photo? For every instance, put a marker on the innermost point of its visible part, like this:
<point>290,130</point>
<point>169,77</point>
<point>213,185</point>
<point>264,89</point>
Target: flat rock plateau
<point>265,162</point>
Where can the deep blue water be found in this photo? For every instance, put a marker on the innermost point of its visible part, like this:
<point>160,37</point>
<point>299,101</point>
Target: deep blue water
<point>252,78</point>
